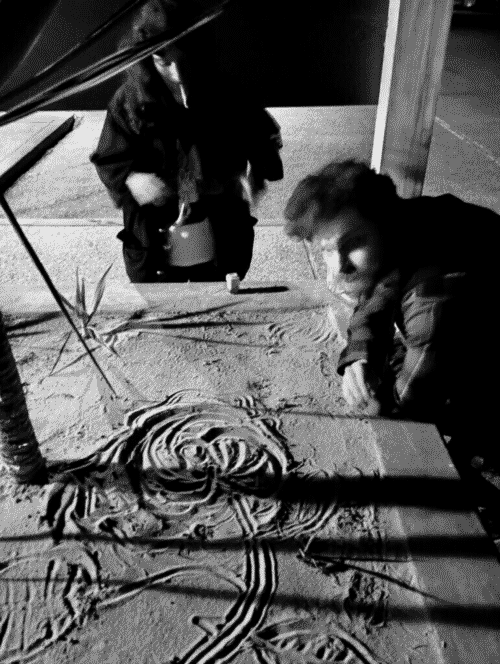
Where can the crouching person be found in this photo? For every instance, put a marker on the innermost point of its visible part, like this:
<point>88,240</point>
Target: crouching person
<point>419,271</point>
<point>181,146</point>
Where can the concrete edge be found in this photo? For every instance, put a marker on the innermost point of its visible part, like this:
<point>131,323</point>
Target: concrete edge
<point>125,298</point>
<point>102,221</point>
<point>90,222</point>
<point>20,167</point>
<point>467,581</point>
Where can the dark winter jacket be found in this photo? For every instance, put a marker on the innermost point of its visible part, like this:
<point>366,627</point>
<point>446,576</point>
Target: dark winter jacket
<point>148,131</point>
<point>425,237</point>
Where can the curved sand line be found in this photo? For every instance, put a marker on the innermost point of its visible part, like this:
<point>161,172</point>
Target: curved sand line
<point>192,464</point>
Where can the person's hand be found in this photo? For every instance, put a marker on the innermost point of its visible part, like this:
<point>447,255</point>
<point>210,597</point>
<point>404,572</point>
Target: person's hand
<point>258,185</point>
<point>254,187</point>
<point>148,189</point>
<point>359,385</point>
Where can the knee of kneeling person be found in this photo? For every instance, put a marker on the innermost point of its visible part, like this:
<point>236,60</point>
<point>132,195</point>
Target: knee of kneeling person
<point>420,402</point>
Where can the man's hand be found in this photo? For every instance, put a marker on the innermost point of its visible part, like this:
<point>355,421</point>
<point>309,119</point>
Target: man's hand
<point>254,187</point>
<point>359,385</point>
<point>148,189</point>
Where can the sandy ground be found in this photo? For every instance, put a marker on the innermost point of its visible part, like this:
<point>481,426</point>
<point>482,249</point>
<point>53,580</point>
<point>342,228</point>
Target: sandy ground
<point>203,524</point>
<point>210,525</point>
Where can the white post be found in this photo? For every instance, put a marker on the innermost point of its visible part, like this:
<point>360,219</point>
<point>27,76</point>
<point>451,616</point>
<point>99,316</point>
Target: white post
<point>414,52</point>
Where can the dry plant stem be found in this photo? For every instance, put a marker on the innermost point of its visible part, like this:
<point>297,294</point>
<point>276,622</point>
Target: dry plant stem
<point>19,449</point>
<point>48,281</point>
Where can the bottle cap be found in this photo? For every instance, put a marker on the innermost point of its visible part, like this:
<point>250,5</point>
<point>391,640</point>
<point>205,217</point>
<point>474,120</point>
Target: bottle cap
<point>232,282</point>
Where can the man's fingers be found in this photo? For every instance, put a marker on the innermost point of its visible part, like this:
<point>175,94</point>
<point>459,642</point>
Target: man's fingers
<point>347,391</point>
<point>358,374</point>
<point>354,399</point>
<point>354,387</point>
<point>351,391</point>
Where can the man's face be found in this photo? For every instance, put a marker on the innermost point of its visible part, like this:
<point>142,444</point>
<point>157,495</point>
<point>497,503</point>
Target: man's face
<point>352,251</point>
<point>167,63</point>
<point>173,67</point>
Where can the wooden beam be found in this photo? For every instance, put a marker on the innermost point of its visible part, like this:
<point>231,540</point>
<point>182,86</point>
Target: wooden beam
<point>414,52</point>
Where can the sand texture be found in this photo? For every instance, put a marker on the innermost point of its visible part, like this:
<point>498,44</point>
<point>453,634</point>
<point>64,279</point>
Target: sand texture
<point>199,517</point>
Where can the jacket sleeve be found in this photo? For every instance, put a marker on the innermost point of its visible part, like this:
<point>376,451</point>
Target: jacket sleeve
<point>115,154</point>
<point>371,330</point>
<point>264,147</point>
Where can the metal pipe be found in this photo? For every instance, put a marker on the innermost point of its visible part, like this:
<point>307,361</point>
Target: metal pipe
<point>75,50</point>
<point>39,265</point>
<point>104,69</point>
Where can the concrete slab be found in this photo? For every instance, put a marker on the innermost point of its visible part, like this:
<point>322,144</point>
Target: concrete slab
<point>63,249</point>
<point>124,298</point>
<point>470,86</point>
<point>446,540</point>
<point>343,538</point>
<point>461,166</point>
<point>312,137</point>
<point>65,184</point>
<point>24,142</point>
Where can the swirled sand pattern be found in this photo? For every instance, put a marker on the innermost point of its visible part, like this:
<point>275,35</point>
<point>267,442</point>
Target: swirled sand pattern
<point>194,464</point>
<point>250,609</point>
<point>317,327</point>
<point>42,598</point>
<point>296,639</point>
<point>184,455</point>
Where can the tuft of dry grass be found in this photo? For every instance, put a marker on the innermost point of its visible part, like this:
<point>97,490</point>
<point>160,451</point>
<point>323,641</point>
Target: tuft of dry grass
<point>79,309</point>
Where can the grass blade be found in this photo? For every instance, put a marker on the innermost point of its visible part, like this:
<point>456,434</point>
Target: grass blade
<point>99,338</point>
<point>67,303</point>
<point>121,327</point>
<point>99,292</point>
<point>84,307</point>
<point>61,351</point>
<point>78,297</point>
<point>80,300</point>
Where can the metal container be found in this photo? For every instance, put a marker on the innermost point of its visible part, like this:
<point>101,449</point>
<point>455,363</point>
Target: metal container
<point>190,243</point>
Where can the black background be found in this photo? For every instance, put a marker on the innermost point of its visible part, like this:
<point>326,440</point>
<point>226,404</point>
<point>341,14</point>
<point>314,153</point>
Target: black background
<point>288,54</point>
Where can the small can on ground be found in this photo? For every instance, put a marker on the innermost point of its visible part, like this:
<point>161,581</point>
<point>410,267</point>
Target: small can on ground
<point>232,282</point>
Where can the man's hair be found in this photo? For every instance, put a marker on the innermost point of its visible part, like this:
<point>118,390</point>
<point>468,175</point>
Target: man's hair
<point>337,185</point>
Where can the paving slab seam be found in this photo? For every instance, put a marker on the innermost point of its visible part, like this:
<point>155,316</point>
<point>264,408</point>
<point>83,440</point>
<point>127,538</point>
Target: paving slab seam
<point>470,141</point>
<point>94,221</point>
<point>68,221</point>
